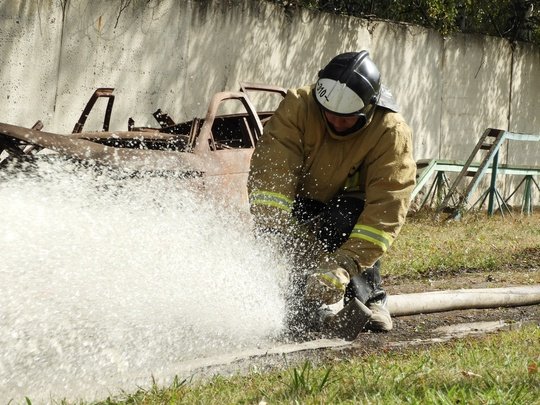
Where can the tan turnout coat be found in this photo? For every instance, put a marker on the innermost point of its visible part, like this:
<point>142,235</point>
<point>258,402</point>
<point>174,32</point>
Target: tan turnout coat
<point>299,155</point>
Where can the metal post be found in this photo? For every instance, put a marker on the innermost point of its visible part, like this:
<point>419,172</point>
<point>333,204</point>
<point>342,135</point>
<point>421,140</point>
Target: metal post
<point>440,187</point>
<point>493,184</point>
<point>527,196</point>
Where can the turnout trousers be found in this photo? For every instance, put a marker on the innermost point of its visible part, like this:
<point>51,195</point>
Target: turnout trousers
<point>332,224</point>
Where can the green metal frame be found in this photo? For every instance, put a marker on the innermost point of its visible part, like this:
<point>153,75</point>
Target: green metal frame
<point>440,184</point>
<point>490,142</point>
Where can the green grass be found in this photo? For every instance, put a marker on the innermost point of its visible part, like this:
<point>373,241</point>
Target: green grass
<point>476,242</point>
<point>491,370</point>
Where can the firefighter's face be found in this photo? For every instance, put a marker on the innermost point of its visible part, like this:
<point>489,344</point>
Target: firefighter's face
<point>341,123</point>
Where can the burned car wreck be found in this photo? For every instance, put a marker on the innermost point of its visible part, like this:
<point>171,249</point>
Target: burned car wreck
<point>217,148</point>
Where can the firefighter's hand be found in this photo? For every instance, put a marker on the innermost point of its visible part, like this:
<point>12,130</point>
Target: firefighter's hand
<point>327,286</point>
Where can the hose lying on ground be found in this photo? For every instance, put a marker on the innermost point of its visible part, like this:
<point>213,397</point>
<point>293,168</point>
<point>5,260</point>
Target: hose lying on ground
<point>449,300</point>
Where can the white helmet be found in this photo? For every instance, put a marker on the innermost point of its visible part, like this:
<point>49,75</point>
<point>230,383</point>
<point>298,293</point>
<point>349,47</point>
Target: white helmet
<point>349,85</point>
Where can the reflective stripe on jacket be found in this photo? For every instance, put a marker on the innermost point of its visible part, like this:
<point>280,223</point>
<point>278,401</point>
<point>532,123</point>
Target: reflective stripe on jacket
<point>299,155</point>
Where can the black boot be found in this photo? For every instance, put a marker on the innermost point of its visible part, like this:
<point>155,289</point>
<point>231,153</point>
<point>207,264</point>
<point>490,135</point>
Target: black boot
<point>366,287</point>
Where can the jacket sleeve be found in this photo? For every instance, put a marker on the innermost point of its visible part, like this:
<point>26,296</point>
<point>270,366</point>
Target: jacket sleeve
<point>390,179</point>
<point>276,166</point>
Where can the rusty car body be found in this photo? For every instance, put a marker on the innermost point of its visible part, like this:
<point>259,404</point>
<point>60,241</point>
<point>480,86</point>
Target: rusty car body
<point>217,148</point>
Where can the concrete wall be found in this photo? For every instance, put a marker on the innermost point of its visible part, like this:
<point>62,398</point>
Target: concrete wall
<point>174,54</point>
<point>30,47</point>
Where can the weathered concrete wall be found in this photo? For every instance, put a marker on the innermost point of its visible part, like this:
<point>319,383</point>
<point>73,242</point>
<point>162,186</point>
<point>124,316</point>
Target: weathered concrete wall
<point>174,54</point>
<point>30,47</point>
<point>524,105</point>
<point>475,91</point>
<point>410,59</point>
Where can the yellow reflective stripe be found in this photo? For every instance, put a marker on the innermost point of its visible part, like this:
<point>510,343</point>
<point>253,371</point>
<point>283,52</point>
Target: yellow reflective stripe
<point>272,199</point>
<point>332,280</point>
<point>375,236</point>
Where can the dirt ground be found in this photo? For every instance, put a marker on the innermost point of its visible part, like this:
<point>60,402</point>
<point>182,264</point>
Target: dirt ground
<point>424,329</point>
<point>409,332</point>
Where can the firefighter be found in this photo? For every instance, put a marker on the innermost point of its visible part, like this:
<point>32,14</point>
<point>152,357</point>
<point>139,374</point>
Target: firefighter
<point>335,164</point>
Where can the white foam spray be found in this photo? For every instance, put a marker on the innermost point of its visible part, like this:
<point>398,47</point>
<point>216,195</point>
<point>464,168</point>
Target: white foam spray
<point>107,282</point>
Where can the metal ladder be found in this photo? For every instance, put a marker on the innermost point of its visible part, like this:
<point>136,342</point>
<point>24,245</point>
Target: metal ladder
<point>488,145</point>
